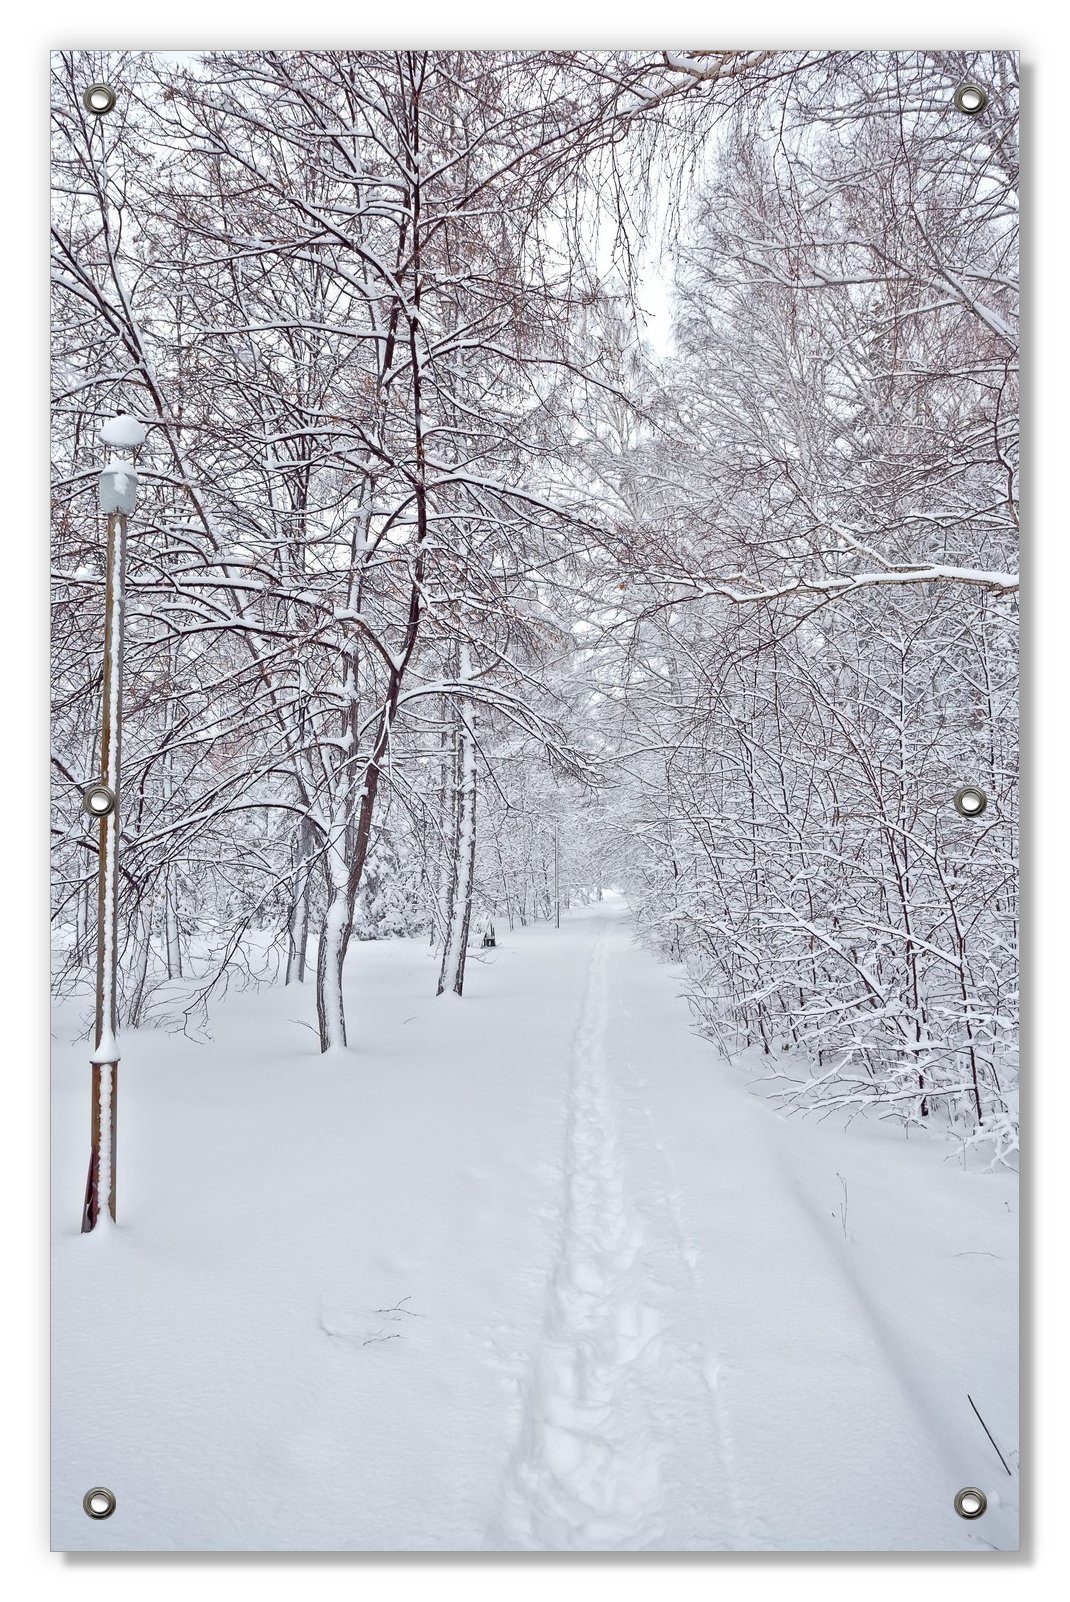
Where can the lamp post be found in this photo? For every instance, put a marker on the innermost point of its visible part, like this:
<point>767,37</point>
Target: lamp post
<point>117,493</point>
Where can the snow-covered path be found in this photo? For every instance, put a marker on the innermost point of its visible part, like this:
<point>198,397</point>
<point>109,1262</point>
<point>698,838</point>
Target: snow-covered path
<point>532,1270</point>
<point>613,1405</point>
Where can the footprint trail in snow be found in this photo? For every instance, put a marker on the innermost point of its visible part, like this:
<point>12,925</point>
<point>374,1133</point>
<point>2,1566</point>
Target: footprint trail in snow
<point>593,1466</point>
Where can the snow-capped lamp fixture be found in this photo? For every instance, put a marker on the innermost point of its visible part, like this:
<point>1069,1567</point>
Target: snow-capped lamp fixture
<point>118,479</point>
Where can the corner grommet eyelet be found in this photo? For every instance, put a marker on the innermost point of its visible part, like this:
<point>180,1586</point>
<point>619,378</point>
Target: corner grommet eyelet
<point>99,99</point>
<point>99,1503</point>
<point>970,1503</point>
<point>970,98</point>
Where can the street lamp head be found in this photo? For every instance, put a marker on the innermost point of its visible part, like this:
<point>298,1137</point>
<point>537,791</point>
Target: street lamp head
<point>118,488</point>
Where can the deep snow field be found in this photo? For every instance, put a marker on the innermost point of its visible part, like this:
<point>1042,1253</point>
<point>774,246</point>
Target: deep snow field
<point>534,1270</point>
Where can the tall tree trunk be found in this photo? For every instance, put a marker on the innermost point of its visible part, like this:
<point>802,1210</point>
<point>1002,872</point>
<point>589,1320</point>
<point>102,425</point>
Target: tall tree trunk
<point>297,922</point>
<point>451,974</point>
<point>172,933</point>
<point>330,959</point>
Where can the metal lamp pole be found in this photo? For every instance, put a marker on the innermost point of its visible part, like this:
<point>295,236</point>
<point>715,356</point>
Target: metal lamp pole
<point>118,488</point>
<point>118,492</point>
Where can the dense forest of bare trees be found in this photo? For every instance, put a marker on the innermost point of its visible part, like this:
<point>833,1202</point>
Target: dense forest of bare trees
<point>447,574</point>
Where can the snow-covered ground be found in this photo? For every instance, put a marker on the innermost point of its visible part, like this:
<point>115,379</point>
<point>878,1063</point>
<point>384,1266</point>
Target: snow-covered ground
<point>530,1270</point>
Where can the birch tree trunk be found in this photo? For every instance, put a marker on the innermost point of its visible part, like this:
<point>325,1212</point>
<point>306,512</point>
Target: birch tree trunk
<point>459,904</point>
<point>330,958</point>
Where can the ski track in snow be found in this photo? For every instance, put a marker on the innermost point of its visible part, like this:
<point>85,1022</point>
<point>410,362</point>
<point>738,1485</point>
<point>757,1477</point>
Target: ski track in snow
<point>619,1398</point>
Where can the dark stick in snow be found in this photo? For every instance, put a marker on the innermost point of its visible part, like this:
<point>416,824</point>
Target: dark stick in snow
<point>988,1432</point>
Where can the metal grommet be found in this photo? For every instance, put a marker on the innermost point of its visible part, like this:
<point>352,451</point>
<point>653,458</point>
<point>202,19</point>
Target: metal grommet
<point>970,1503</point>
<point>99,1503</point>
<point>98,801</point>
<point>970,802</point>
<point>971,98</point>
<point>98,99</point>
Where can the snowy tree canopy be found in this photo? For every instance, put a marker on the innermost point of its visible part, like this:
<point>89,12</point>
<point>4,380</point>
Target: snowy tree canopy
<point>458,575</point>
